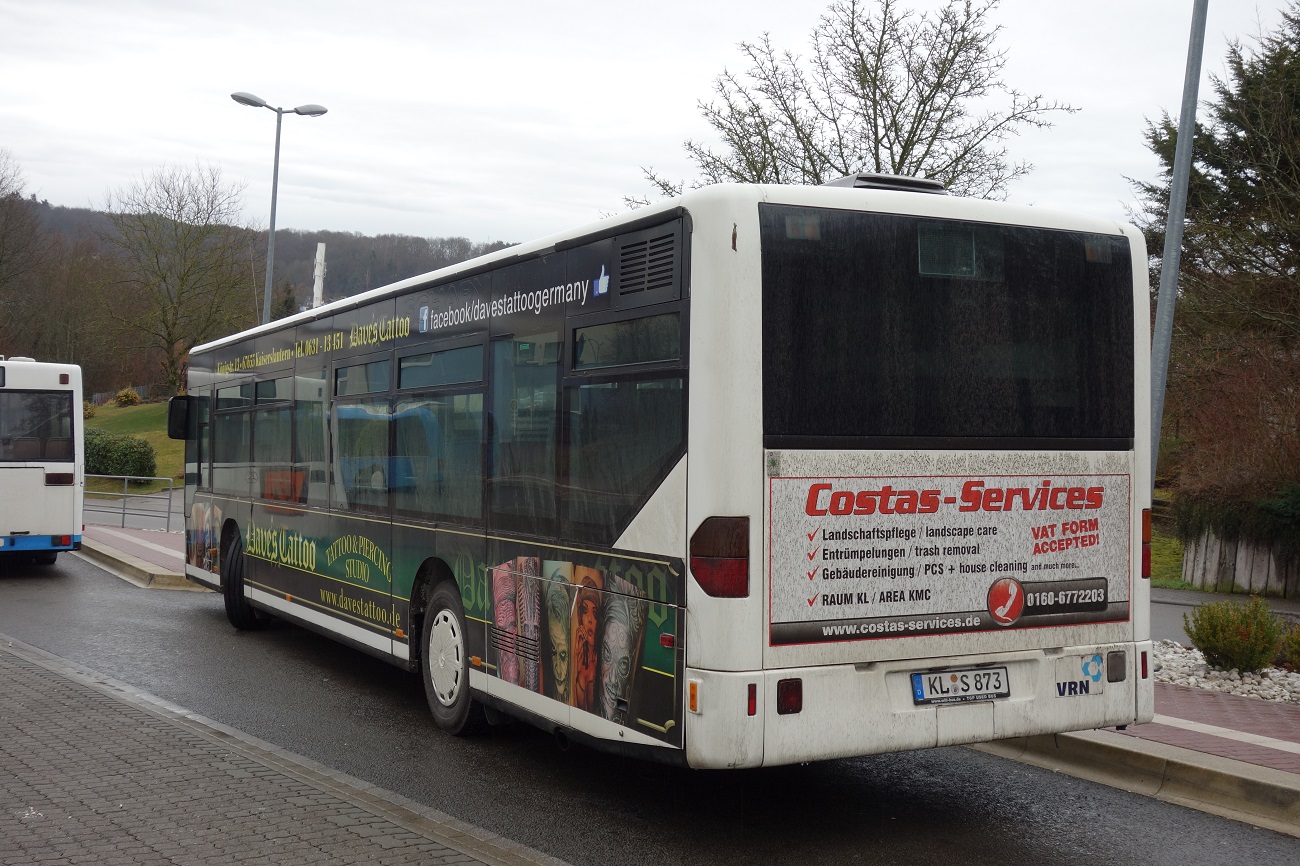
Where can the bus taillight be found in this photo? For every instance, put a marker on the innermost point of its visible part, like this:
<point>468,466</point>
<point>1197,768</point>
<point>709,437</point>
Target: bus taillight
<point>1146,543</point>
<point>720,557</point>
<point>789,696</point>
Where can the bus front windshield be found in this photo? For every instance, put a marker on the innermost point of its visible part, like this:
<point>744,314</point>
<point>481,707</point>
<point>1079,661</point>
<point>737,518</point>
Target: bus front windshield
<point>893,327</point>
<point>36,425</point>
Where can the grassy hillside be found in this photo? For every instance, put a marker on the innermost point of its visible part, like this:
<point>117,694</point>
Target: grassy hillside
<point>149,422</point>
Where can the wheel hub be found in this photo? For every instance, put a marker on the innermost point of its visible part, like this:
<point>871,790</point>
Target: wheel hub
<point>447,646</point>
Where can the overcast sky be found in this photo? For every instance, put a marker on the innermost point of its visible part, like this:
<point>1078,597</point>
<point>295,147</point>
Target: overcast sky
<point>507,119</point>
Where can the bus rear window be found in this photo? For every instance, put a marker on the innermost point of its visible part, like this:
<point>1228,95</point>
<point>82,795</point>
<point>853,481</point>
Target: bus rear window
<point>36,425</point>
<point>896,327</point>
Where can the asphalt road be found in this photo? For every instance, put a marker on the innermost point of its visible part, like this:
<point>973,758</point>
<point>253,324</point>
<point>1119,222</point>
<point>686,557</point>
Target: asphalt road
<point>346,710</point>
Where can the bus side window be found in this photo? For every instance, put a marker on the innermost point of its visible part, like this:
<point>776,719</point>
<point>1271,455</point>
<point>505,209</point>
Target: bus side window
<point>521,476</point>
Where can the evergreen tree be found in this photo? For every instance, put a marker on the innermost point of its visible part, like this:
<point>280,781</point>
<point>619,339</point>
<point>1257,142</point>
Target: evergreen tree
<point>1232,416</point>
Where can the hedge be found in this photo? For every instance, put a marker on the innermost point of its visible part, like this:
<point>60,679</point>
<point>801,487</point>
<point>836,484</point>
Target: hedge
<point>115,454</point>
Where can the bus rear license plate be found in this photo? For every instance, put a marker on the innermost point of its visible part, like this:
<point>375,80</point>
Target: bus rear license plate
<point>950,687</point>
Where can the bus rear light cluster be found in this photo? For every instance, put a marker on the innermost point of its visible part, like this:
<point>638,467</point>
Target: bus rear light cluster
<point>720,557</point>
<point>1146,543</point>
<point>62,540</point>
<point>789,696</point>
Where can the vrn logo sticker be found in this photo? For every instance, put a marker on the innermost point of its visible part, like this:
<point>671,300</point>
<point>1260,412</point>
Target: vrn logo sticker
<point>600,285</point>
<point>1083,676</point>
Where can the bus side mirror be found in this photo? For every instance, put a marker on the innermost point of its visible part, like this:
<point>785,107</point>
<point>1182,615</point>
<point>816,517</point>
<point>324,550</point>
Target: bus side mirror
<point>178,417</point>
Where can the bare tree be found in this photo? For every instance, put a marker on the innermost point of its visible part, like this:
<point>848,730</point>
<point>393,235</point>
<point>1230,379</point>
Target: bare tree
<point>885,89</point>
<point>183,260</point>
<point>22,240</point>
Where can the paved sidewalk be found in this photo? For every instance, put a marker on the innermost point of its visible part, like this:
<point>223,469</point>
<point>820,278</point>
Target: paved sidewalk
<point>1220,753</point>
<point>93,772</point>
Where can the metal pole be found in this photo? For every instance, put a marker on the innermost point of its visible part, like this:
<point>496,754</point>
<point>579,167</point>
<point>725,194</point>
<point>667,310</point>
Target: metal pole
<point>1164,326</point>
<point>270,240</point>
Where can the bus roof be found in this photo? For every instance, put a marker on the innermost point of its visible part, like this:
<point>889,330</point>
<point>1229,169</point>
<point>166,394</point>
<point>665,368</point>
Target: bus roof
<point>884,200</point>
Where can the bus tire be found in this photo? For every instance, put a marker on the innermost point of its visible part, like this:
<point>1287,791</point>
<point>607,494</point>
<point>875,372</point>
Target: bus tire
<point>46,557</point>
<point>445,663</point>
<point>241,614</point>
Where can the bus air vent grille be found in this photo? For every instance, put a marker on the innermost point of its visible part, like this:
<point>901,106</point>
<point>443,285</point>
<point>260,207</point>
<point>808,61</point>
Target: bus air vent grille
<point>647,265</point>
<point>525,647</point>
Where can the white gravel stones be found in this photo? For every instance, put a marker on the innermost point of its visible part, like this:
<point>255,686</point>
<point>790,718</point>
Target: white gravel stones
<point>1182,666</point>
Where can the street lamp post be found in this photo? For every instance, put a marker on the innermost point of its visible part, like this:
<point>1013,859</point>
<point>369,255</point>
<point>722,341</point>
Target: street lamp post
<point>310,110</point>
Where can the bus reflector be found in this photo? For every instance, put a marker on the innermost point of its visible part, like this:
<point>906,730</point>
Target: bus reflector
<point>720,557</point>
<point>58,479</point>
<point>693,696</point>
<point>753,699</point>
<point>667,641</point>
<point>1146,543</point>
<point>789,696</point>
<point>1144,664</point>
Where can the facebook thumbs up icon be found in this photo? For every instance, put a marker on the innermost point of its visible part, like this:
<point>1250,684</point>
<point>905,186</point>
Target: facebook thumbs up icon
<point>602,283</point>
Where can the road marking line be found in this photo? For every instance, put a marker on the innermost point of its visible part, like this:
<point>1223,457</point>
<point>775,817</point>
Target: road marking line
<point>134,540</point>
<point>1228,734</point>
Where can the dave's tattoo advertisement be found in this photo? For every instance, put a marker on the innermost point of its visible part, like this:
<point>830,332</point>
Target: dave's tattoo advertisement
<point>596,632</point>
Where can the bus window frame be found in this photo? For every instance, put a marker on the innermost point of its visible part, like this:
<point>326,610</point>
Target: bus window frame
<point>220,413</point>
<point>370,397</point>
<point>434,347</point>
<point>573,324</point>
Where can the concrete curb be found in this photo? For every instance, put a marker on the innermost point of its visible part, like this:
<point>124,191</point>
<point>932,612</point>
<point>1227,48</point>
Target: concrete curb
<point>1232,789</point>
<point>135,570</point>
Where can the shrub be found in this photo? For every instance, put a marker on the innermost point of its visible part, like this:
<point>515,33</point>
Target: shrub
<point>113,454</point>
<point>1289,654</point>
<point>87,409</point>
<point>126,397</point>
<point>1231,635</point>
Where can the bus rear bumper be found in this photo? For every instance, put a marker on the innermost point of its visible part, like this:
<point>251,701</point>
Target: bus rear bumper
<point>37,543</point>
<point>863,709</point>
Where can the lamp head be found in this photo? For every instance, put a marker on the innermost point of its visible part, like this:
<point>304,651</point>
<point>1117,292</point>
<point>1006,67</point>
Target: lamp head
<point>249,99</point>
<point>310,110</point>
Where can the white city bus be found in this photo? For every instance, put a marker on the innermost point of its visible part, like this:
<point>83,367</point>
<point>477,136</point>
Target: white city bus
<point>41,463</point>
<point>760,475</point>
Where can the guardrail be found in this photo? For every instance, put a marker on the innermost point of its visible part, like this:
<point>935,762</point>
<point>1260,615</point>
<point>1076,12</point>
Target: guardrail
<point>155,505</point>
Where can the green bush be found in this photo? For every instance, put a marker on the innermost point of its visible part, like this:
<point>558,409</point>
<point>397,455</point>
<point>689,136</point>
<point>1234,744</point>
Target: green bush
<point>114,454</point>
<point>126,397</point>
<point>1289,654</point>
<point>1231,635</point>
<point>87,409</point>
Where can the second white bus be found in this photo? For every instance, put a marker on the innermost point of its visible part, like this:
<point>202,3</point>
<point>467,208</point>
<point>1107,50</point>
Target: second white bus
<point>41,463</point>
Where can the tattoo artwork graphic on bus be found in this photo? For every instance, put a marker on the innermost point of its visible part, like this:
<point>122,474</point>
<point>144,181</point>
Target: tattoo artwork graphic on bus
<point>622,621</point>
<point>505,612</point>
<point>529,605</point>
<point>558,604</point>
<point>585,621</point>
<point>201,549</point>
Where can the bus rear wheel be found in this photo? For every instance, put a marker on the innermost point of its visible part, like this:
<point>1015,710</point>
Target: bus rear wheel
<point>445,664</point>
<point>241,614</point>
<point>46,557</point>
